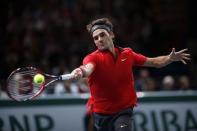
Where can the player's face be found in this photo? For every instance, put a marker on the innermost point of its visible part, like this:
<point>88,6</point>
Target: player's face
<point>102,39</point>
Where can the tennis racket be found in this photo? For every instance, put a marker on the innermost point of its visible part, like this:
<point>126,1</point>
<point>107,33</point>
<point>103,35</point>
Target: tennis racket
<point>21,87</point>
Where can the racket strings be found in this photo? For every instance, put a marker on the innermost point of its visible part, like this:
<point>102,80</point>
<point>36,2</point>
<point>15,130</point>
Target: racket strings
<point>21,85</point>
<point>26,72</point>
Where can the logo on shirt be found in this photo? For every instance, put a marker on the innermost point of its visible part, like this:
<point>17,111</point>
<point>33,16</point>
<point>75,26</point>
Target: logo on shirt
<point>123,59</point>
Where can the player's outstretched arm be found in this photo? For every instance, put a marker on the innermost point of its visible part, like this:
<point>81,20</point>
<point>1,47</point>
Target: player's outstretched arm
<point>83,71</point>
<point>162,61</point>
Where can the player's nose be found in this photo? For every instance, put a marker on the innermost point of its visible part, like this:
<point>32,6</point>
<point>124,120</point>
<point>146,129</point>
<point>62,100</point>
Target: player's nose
<point>100,39</point>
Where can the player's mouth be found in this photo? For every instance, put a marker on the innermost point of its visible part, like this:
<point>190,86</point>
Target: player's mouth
<point>100,44</point>
<point>101,47</point>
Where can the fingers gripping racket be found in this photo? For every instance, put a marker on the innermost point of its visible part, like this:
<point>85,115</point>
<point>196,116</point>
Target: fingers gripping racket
<point>21,86</point>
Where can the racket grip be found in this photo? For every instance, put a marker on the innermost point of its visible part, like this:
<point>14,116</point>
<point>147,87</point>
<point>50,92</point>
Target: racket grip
<point>66,76</point>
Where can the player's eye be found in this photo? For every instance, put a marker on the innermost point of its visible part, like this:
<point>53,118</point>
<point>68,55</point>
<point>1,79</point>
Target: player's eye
<point>95,37</point>
<point>102,34</point>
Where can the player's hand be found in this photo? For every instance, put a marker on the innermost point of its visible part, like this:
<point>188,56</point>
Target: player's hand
<point>77,73</point>
<point>180,56</point>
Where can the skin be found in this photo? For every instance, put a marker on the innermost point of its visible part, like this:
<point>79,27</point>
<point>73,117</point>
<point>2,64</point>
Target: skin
<point>104,41</point>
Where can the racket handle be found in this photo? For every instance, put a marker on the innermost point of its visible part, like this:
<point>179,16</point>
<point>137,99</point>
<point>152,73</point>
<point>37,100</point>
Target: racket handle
<point>66,76</point>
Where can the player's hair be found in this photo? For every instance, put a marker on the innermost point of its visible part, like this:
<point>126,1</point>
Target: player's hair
<point>104,23</point>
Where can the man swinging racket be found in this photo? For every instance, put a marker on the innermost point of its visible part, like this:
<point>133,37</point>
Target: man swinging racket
<point>110,77</point>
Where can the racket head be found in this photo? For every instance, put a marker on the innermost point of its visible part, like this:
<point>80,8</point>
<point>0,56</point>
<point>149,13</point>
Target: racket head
<point>21,87</point>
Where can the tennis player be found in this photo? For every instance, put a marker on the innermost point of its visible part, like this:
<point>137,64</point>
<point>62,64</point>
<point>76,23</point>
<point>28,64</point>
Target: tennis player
<point>110,77</point>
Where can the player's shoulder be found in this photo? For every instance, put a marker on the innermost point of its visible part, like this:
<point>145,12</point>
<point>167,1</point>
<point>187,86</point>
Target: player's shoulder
<point>96,52</point>
<point>93,54</point>
<point>127,49</point>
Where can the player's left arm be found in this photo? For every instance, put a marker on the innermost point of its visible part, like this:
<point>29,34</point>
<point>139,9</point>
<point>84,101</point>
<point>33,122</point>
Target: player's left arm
<point>162,61</point>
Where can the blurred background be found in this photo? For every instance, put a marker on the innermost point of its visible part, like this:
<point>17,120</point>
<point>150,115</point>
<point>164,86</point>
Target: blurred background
<point>51,35</point>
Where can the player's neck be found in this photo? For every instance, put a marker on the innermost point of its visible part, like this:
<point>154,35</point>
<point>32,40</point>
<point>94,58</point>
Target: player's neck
<point>112,50</point>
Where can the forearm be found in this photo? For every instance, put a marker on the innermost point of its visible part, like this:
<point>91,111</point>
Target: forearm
<point>83,71</point>
<point>158,62</point>
<point>86,69</point>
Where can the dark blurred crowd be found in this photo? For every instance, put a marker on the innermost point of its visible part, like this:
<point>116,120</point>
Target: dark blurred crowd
<point>51,35</point>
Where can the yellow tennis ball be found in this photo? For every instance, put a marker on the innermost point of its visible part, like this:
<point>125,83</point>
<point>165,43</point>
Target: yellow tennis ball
<point>39,79</point>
